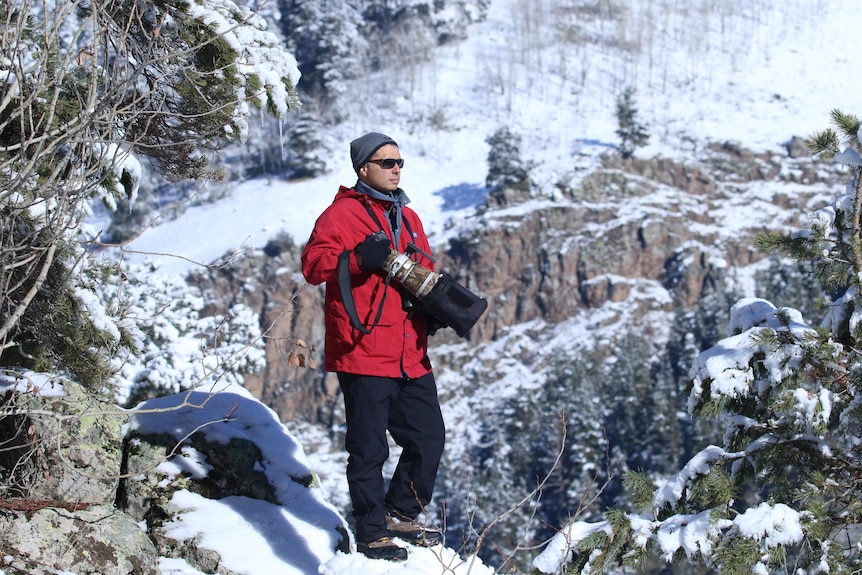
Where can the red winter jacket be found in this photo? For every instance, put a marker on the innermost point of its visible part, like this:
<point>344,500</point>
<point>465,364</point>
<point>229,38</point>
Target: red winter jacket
<point>398,345</point>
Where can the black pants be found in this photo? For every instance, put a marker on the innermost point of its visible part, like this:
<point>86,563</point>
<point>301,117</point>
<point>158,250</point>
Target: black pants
<point>409,409</point>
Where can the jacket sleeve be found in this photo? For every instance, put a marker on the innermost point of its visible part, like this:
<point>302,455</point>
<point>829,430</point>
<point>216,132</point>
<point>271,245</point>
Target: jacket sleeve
<point>329,238</point>
<point>340,227</point>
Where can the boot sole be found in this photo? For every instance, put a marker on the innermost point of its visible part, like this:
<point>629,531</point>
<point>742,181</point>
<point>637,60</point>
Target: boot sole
<point>395,558</point>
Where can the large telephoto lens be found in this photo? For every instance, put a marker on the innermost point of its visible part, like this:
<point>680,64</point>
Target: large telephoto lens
<point>417,279</point>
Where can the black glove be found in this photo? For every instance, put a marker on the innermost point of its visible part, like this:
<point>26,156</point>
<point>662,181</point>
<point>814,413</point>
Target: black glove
<point>373,250</point>
<point>432,324</point>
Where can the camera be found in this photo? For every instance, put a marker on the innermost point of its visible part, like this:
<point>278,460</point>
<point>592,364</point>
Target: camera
<point>439,295</point>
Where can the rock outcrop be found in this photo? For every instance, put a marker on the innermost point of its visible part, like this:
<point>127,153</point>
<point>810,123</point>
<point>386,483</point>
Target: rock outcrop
<point>99,490</point>
<point>61,470</point>
<point>632,221</point>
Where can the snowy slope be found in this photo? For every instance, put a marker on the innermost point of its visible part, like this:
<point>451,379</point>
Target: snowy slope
<point>771,71</point>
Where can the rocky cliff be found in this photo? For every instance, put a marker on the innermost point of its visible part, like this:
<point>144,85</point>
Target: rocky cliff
<point>607,234</point>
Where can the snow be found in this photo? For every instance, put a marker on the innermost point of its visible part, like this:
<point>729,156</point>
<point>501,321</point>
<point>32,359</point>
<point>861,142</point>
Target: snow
<point>31,382</point>
<point>849,157</point>
<point>672,490</point>
<point>775,525</point>
<point>299,536</point>
<point>687,532</point>
<point>726,365</point>
<point>434,561</point>
<point>560,547</point>
<point>260,56</point>
<point>758,77</point>
<point>259,209</point>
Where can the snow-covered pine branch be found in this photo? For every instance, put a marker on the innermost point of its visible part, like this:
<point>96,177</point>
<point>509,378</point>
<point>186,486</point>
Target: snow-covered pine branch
<point>89,90</point>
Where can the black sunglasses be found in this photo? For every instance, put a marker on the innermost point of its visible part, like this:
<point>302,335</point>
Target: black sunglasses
<point>388,163</point>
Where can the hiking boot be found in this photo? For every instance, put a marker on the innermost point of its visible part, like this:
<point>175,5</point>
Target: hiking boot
<point>412,531</point>
<point>383,548</point>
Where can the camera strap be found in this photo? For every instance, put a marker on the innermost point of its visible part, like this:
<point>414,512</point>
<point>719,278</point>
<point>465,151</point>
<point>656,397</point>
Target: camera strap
<point>345,285</point>
<point>412,248</point>
<point>346,288</point>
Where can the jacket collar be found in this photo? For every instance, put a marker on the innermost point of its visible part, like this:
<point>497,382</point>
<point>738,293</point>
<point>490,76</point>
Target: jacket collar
<point>398,197</point>
<point>395,202</point>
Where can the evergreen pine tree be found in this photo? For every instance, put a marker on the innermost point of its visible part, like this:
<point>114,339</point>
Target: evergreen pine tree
<point>782,491</point>
<point>326,38</point>
<point>632,133</point>
<point>508,174</point>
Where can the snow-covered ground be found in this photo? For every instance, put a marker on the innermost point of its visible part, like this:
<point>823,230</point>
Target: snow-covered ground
<point>254,536</point>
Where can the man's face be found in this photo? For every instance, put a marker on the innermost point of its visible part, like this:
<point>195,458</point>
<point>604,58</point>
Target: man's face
<point>376,176</point>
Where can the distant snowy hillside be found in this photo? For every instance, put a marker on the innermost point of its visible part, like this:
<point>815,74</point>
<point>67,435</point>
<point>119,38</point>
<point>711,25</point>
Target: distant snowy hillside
<point>755,73</point>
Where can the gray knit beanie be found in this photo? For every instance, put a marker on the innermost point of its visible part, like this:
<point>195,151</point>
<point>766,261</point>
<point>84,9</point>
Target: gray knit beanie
<point>363,147</point>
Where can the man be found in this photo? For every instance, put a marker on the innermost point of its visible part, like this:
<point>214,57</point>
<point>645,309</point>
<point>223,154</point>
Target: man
<point>377,343</point>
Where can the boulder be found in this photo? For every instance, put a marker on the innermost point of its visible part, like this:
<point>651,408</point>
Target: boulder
<point>62,444</point>
<point>60,472</point>
<point>96,540</point>
<point>90,488</point>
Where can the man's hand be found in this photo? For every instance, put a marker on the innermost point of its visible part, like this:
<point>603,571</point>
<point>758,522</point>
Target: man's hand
<point>372,251</point>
